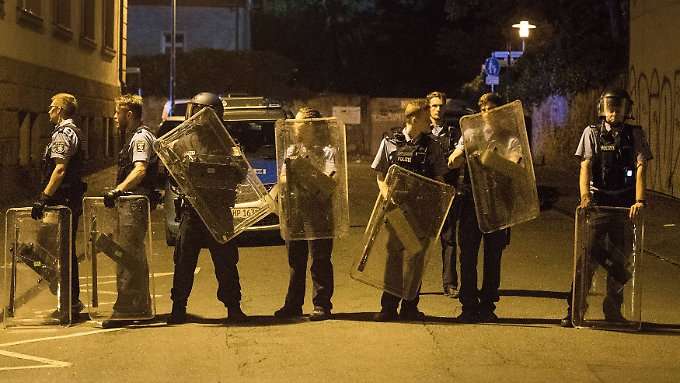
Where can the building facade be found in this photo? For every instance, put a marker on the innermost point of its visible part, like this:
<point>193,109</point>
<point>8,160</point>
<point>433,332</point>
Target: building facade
<point>654,84</point>
<point>216,24</point>
<point>51,46</point>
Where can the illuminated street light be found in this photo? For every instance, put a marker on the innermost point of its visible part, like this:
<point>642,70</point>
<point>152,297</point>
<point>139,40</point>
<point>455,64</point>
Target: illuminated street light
<point>524,28</point>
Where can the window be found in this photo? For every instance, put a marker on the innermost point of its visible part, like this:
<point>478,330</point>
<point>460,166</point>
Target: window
<point>62,18</point>
<point>30,13</point>
<point>87,24</point>
<point>166,42</point>
<point>109,25</point>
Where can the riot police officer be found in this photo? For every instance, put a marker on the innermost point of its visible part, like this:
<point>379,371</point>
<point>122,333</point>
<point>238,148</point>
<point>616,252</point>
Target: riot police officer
<point>613,158</point>
<point>194,235</point>
<point>479,306</point>
<point>447,135</point>
<point>414,149</point>
<point>137,167</point>
<point>318,217</point>
<point>62,184</point>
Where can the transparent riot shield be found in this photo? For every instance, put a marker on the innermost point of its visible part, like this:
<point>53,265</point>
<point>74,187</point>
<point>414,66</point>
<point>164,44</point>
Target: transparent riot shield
<point>402,233</point>
<point>118,261</point>
<point>607,257</point>
<point>312,169</point>
<point>500,166</point>
<point>37,268</point>
<point>213,174</point>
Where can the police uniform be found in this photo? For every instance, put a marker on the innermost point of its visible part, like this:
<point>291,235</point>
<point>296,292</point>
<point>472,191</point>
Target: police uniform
<point>317,218</point>
<point>447,136</point>
<point>65,144</point>
<point>614,153</point>
<point>477,304</point>
<point>133,282</point>
<point>422,155</point>
<point>193,235</point>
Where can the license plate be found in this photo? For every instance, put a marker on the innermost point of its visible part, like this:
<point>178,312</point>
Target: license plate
<point>243,212</point>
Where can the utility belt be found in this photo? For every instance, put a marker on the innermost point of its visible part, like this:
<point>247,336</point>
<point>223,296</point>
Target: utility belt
<point>69,194</point>
<point>621,197</point>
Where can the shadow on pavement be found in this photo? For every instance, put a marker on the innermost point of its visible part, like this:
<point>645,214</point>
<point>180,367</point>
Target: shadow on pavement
<point>534,293</point>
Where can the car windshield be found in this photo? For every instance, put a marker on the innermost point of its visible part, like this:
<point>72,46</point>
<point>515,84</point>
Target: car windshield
<point>255,137</point>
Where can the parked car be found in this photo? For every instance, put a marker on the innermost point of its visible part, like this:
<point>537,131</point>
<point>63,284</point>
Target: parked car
<point>251,122</point>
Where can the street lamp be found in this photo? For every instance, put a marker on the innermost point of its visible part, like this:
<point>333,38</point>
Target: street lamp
<point>524,28</point>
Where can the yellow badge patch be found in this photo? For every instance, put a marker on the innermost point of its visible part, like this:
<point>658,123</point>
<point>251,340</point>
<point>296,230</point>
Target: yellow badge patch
<point>59,147</point>
<point>140,146</point>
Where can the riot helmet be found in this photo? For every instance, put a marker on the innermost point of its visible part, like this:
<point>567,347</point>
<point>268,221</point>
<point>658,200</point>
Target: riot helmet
<point>615,100</point>
<point>202,100</point>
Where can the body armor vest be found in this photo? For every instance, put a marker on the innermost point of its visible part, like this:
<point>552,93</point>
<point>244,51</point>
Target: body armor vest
<point>125,166</point>
<point>72,186</point>
<point>614,167</point>
<point>448,139</point>
<point>410,155</point>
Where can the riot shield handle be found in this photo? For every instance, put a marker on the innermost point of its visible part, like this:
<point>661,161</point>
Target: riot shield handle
<point>93,256</point>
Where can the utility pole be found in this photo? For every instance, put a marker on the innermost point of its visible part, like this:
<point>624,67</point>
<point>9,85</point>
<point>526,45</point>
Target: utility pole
<point>172,55</point>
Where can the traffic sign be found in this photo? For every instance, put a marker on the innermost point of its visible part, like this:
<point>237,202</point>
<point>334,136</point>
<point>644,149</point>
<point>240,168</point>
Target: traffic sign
<point>492,80</point>
<point>492,67</point>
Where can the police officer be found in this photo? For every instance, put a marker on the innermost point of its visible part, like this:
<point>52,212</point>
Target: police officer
<point>414,149</point>
<point>613,158</point>
<point>137,167</point>
<point>194,235</point>
<point>62,183</point>
<point>318,217</point>
<point>479,306</point>
<point>447,135</point>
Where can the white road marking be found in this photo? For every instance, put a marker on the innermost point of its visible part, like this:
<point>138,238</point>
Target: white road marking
<point>85,333</point>
<point>47,363</point>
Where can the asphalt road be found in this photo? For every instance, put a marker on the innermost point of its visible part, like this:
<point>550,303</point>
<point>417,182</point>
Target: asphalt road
<point>527,345</point>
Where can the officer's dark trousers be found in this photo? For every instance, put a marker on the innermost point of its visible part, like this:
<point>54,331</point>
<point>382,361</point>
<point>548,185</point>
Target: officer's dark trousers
<point>448,242</point>
<point>605,230</point>
<point>192,236</point>
<point>397,278</point>
<point>470,238</point>
<point>321,269</point>
<point>133,275</point>
<point>76,211</point>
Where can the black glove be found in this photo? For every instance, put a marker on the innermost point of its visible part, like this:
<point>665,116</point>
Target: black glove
<point>39,206</point>
<point>111,196</point>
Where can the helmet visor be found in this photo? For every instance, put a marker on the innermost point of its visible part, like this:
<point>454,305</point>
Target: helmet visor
<point>193,108</point>
<point>615,105</point>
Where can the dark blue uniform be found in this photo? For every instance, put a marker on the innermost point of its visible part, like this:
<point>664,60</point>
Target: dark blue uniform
<point>65,144</point>
<point>422,155</point>
<point>447,136</point>
<point>614,154</point>
<point>133,282</point>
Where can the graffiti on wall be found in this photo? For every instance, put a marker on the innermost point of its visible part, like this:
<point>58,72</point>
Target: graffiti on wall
<point>657,108</point>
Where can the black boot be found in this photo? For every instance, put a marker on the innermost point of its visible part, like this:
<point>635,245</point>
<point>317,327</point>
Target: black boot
<point>178,314</point>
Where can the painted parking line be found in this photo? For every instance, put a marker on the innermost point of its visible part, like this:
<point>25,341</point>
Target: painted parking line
<point>44,362</point>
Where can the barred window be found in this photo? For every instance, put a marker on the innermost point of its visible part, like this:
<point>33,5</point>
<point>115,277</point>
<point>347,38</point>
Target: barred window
<point>62,13</point>
<point>87,24</point>
<point>109,24</point>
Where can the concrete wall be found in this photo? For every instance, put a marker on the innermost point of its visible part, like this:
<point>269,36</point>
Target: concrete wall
<point>654,84</point>
<point>203,27</point>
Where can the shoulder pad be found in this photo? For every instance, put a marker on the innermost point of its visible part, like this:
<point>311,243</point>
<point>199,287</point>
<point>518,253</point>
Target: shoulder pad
<point>397,137</point>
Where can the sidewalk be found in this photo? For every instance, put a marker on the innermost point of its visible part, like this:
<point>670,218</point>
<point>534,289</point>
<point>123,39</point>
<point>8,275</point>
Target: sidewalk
<point>662,216</point>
